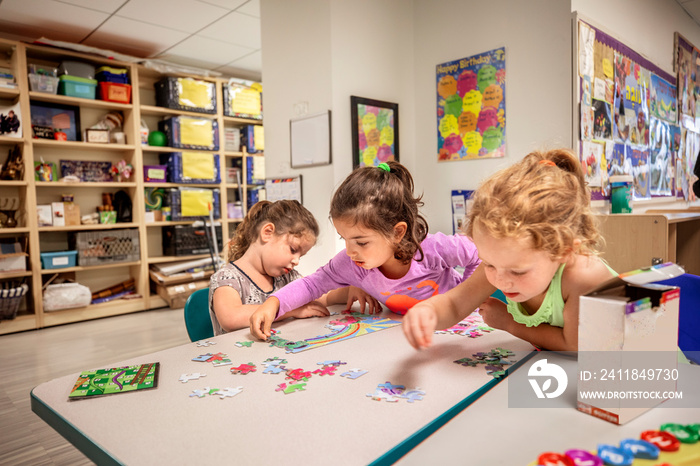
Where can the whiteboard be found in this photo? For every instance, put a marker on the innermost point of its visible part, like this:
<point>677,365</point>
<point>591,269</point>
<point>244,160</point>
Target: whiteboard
<point>310,140</point>
<point>283,188</point>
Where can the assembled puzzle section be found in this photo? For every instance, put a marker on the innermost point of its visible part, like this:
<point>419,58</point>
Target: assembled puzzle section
<point>115,380</point>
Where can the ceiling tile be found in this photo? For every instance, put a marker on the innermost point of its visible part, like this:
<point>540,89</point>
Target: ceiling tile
<point>235,28</point>
<point>206,50</point>
<point>50,19</point>
<point>106,6</point>
<point>252,8</point>
<point>251,62</point>
<point>228,4</point>
<point>143,40</point>
<point>173,14</point>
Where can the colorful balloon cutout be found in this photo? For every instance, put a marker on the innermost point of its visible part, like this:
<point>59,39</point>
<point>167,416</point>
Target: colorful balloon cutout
<point>486,77</point>
<point>448,125</point>
<point>466,82</point>
<point>472,102</point>
<point>447,86</point>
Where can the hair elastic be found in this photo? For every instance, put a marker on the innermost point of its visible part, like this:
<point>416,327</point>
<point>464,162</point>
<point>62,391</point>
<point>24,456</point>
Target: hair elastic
<point>547,162</point>
<point>384,166</point>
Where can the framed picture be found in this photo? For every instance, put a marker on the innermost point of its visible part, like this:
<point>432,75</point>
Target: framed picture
<point>375,131</point>
<point>62,118</point>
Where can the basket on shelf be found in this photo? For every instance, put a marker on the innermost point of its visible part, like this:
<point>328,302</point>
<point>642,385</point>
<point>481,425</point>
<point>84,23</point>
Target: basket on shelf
<point>10,300</point>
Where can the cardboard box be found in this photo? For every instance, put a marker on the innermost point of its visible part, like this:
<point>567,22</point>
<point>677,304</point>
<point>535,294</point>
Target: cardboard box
<point>177,278</point>
<point>72,213</point>
<point>12,258</point>
<point>58,214</point>
<point>627,325</point>
<point>176,295</point>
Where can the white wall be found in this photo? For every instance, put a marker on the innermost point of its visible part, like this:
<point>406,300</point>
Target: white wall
<point>537,38</point>
<point>647,27</point>
<point>321,52</point>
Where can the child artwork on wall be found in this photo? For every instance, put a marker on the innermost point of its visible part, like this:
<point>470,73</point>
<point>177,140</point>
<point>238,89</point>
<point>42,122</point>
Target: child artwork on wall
<point>471,107</point>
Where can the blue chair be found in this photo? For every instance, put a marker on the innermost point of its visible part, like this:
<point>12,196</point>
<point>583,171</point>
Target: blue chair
<point>197,318</point>
<point>689,314</point>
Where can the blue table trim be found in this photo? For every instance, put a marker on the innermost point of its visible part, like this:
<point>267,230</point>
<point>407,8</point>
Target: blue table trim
<point>393,455</point>
<point>79,440</point>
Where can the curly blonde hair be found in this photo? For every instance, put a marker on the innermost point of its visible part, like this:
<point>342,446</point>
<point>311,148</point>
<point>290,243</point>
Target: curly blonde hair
<point>288,217</point>
<point>544,197</point>
<point>378,199</point>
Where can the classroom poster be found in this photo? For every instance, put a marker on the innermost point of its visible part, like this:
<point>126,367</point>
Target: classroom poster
<point>602,121</point>
<point>471,109</point>
<point>686,70</point>
<point>631,120</point>
<point>639,163</point>
<point>592,161</point>
<point>662,103</point>
<point>661,158</point>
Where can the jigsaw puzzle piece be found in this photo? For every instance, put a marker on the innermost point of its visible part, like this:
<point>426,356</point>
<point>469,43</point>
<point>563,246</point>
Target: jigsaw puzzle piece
<point>390,388</point>
<point>274,369</point>
<point>326,370</point>
<point>228,392</point>
<point>354,373</point>
<point>203,357</point>
<point>414,394</point>
<point>201,393</point>
<point>244,369</point>
<point>241,344</point>
<point>205,343</point>
<point>184,378</point>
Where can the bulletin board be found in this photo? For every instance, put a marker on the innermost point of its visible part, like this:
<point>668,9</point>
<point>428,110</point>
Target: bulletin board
<point>626,118</point>
<point>310,140</point>
<point>284,188</point>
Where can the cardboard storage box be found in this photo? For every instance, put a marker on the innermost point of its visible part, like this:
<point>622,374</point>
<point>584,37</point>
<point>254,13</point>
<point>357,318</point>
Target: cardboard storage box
<point>12,258</point>
<point>627,325</point>
<point>176,295</point>
<point>160,278</point>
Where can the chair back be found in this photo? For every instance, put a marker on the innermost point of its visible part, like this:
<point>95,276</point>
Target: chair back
<point>689,314</point>
<point>197,318</point>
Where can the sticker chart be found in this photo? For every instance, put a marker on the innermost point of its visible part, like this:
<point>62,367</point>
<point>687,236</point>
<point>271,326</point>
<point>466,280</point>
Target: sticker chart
<point>115,380</point>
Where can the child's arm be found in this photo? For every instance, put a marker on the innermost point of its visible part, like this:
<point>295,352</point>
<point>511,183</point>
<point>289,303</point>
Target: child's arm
<point>445,310</point>
<point>262,318</point>
<point>348,296</point>
<point>230,311</point>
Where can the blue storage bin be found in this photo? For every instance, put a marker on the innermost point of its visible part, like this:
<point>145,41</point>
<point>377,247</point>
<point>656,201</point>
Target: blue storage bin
<point>204,132</point>
<point>75,86</point>
<point>193,95</point>
<point>175,170</point>
<point>112,75</point>
<point>58,259</point>
<point>175,202</point>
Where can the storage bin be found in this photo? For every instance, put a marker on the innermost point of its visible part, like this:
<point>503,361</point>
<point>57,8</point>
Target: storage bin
<point>195,203</point>
<point>189,94</point>
<point>112,75</point>
<point>76,68</point>
<point>58,259</point>
<point>192,167</point>
<point>106,247</point>
<point>185,240</point>
<point>75,86</point>
<point>43,83</point>
<point>10,300</point>
<point>243,99</point>
<point>194,133</point>
<point>115,92</point>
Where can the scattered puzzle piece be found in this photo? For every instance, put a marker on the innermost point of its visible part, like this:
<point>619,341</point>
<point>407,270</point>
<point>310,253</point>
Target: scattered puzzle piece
<point>201,393</point>
<point>379,395</point>
<point>244,369</point>
<point>247,344</point>
<point>390,388</point>
<point>354,373</point>
<point>274,361</point>
<point>494,360</point>
<point>298,374</point>
<point>274,369</point>
<point>228,392</point>
<point>203,357</point>
<point>184,378</point>
<point>205,343</point>
<point>412,395</point>
<point>326,370</point>
<point>283,387</point>
<point>331,363</point>
<point>467,362</point>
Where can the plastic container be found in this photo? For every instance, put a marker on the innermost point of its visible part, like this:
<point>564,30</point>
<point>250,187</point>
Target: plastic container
<point>43,83</point>
<point>58,259</point>
<point>107,247</point>
<point>155,173</point>
<point>621,194</point>
<point>76,68</point>
<point>179,172</point>
<point>115,92</point>
<point>185,240</point>
<point>75,86</point>
<point>194,95</point>
<point>112,75</point>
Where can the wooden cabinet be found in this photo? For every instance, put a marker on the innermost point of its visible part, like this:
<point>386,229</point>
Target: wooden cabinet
<point>635,241</point>
<point>17,56</point>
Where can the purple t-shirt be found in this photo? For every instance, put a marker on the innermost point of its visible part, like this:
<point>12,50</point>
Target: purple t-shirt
<point>435,274</point>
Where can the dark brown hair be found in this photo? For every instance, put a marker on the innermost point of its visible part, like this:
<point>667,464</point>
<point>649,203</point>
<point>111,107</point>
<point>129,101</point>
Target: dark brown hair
<point>288,217</point>
<point>544,197</point>
<point>378,199</point>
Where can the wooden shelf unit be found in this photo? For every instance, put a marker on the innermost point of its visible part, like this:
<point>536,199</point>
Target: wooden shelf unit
<point>17,56</point>
<point>635,241</point>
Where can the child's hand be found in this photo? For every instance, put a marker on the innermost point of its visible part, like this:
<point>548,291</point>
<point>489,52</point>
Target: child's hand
<point>419,325</point>
<point>312,309</point>
<point>365,300</point>
<point>261,320</point>
<point>495,314</point>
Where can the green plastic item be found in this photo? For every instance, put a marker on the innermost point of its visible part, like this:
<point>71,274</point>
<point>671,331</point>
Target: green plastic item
<point>156,138</point>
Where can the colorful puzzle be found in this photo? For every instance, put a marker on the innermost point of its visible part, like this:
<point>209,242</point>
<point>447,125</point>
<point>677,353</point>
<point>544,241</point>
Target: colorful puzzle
<point>494,360</point>
<point>353,325</point>
<point>472,326</point>
<point>392,393</point>
<point>244,369</point>
<point>115,380</point>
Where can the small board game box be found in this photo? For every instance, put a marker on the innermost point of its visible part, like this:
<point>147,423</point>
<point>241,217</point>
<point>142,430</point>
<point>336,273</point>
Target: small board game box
<point>194,133</point>
<point>192,167</point>
<point>193,95</point>
<point>111,381</point>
